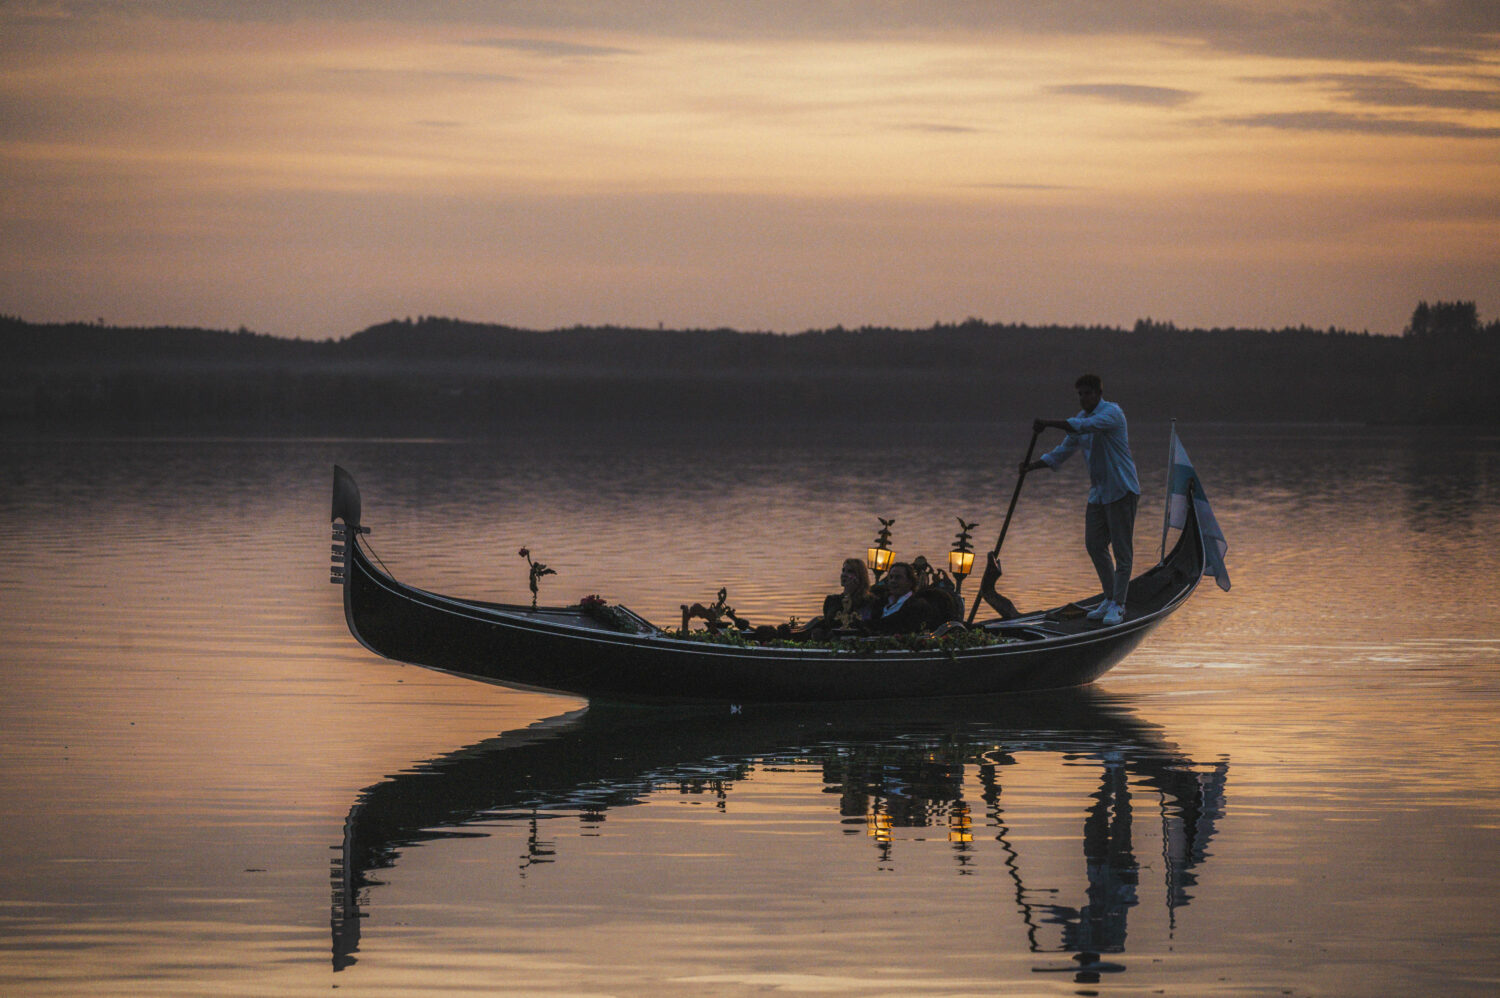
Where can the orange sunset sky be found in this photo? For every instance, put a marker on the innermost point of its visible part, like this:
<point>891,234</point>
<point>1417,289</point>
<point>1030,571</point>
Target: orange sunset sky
<point>306,169</point>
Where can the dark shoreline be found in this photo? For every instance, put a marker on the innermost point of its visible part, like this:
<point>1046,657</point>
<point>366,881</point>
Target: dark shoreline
<point>444,378</point>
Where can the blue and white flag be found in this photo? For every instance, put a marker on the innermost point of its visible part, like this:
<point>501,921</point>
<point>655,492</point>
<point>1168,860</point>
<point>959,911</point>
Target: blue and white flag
<point>1183,485</point>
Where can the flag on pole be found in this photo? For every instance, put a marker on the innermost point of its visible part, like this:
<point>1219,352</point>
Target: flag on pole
<point>1183,486</point>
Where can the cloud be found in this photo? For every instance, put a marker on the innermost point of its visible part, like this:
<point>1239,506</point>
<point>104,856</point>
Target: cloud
<point>1431,32</point>
<point>1426,32</point>
<point>40,10</point>
<point>551,48</point>
<point>406,77</point>
<point>937,128</point>
<point>1126,93</point>
<point>1024,187</point>
<point>1398,91</point>
<point>1362,124</point>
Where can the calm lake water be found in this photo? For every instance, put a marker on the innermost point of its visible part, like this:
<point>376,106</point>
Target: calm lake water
<point>208,787</point>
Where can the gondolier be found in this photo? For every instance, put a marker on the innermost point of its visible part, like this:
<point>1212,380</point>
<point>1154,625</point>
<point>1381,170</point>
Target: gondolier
<point>1114,490</point>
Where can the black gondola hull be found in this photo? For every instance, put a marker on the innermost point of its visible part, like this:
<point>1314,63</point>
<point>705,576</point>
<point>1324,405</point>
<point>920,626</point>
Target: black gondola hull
<point>561,650</point>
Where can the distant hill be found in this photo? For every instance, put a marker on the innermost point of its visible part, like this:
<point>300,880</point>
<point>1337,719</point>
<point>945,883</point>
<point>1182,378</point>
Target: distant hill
<point>78,344</point>
<point>444,376</point>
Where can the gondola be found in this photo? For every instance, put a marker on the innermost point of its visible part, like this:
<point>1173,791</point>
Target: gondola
<point>616,655</point>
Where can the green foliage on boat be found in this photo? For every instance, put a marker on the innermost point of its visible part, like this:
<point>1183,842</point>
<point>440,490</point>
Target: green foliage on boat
<point>957,640</point>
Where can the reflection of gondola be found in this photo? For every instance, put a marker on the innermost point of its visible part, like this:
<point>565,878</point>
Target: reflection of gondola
<point>610,653</point>
<point>892,765</point>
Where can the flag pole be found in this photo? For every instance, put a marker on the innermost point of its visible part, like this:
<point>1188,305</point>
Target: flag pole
<point>1166,512</point>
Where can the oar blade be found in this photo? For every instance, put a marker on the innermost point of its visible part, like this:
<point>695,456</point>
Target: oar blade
<point>987,591</point>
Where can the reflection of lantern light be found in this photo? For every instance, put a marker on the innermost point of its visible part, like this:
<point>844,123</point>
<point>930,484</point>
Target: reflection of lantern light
<point>960,825</point>
<point>880,827</point>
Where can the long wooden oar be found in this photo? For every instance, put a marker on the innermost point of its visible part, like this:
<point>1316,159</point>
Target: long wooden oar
<point>992,564</point>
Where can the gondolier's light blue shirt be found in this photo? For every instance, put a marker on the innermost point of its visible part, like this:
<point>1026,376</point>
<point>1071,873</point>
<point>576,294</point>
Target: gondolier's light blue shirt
<point>1106,450</point>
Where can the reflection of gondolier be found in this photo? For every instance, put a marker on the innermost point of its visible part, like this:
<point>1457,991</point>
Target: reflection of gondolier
<point>895,767</point>
<point>1114,490</point>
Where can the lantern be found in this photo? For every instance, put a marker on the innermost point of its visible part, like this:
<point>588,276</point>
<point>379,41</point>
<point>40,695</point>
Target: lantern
<point>961,558</point>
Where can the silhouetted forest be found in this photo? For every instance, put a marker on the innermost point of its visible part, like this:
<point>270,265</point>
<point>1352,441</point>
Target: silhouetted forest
<point>440,376</point>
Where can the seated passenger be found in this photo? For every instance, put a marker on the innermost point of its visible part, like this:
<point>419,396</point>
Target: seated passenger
<point>901,613</point>
<point>937,592</point>
<point>849,609</point>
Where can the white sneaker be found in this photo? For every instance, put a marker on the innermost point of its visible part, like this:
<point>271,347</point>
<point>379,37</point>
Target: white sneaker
<point>1098,612</point>
<point>1114,616</point>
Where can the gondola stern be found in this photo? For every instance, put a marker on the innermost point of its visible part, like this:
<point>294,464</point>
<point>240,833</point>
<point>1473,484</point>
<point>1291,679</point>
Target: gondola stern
<point>346,500</point>
<point>345,516</point>
<point>346,528</point>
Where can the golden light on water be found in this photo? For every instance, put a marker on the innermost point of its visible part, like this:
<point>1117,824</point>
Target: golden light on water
<point>191,733</point>
<point>960,824</point>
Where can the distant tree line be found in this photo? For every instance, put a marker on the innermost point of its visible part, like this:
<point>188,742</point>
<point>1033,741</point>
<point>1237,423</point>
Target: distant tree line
<point>1450,320</point>
<point>437,375</point>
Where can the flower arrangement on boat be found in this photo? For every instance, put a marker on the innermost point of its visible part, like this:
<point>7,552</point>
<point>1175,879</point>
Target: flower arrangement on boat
<point>955,640</point>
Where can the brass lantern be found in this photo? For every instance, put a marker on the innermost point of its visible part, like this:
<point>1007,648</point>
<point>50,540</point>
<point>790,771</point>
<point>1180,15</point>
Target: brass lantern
<point>961,558</point>
<point>879,556</point>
